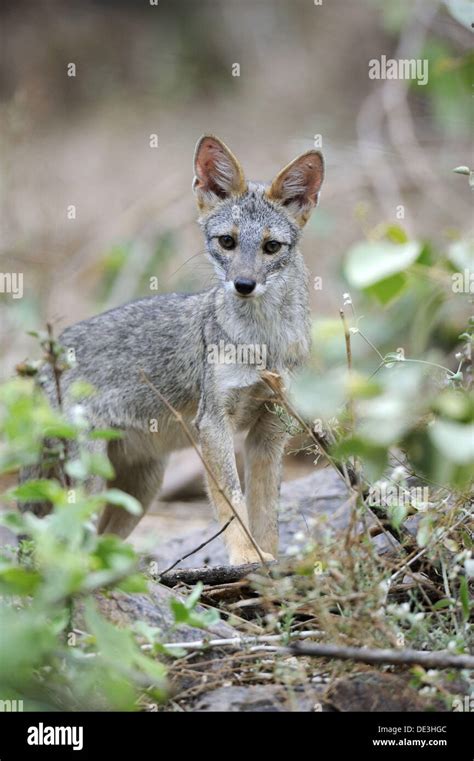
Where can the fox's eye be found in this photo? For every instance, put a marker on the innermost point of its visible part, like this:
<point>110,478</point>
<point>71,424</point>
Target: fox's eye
<point>271,246</point>
<point>227,242</point>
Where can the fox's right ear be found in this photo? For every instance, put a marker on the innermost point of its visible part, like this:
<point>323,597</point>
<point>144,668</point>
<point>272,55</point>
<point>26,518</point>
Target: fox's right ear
<point>218,174</point>
<point>297,186</point>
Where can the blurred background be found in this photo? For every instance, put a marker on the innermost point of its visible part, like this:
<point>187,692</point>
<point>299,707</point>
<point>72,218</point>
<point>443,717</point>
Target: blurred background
<point>168,70</point>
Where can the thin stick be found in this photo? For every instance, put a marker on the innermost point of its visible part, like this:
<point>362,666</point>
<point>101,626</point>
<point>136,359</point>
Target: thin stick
<point>374,656</point>
<point>394,657</point>
<point>238,642</point>
<point>53,361</point>
<point>193,552</point>
<point>179,418</point>
<point>347,337</point>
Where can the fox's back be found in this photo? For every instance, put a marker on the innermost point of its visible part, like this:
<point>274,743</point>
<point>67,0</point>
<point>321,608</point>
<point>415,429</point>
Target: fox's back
<point>160,336</point>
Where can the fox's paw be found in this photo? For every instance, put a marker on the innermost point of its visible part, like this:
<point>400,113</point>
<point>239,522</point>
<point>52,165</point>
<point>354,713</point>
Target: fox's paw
<point>249,555</point>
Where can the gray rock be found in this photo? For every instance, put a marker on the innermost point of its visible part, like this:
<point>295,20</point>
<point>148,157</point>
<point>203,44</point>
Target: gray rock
<point>154,609</point>
<point>375,691</point>
<point>261,698</point>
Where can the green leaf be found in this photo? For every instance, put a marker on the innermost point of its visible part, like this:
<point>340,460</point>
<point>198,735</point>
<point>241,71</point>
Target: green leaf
<point>170,650</point>
<point>444,603</point>
<point>425,530</point>
<point>90,464</point>
<point>112,553</point>
<point>464,597</point>
<point>76,469</point>
<point>14,521</point>
<point>455,441</point>
<point>204,620</point>
<point>195,595</point>
<point>455,404</point>
<point>180,611</point>
<point>107,434</point>
<point>122,499</point>
<point>370,262</point>
<point>134,584</point>
<point>461,254</point>
<point>396,234</point>
<point>39,490</point>
<point>15,580</point>
<point>397,514</point>
<point>185,613</point>
<point>361,387</point>
<point>374,457</point>
<point>99,465</point>
<point>61,429</point>
<point>117,646</point>
<point>389,289</point>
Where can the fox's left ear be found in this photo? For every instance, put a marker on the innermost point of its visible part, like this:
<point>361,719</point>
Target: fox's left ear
<point>297,186</point>
<point>218,174</point>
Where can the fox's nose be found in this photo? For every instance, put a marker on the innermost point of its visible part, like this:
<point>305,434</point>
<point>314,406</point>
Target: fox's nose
<point>244,286</point>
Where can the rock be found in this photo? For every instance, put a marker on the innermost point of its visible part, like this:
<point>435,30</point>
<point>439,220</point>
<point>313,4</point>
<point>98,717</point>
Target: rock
<point>125,609</point>
<point>376,691</point>
<point>261,698</point>
<point>7,538</point>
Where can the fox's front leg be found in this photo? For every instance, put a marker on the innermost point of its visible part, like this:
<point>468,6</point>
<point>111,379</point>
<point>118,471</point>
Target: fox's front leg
<point>217,448</point>
<point>264,448</point>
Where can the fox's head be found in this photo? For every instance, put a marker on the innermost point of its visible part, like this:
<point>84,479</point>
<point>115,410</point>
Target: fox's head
<point>252,230</point>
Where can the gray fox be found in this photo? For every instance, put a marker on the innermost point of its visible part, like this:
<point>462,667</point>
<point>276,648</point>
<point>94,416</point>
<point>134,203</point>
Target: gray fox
<point>205,351</point>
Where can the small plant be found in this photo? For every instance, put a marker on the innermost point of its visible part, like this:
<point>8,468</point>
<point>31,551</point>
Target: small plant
<point>51,581</point>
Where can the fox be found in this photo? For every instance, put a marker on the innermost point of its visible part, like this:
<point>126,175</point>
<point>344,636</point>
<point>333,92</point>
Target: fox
<point>194,350</point>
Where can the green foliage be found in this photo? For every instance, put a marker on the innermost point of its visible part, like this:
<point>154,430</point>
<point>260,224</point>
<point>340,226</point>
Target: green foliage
<point>407,400</point>
<point>55,574</point>
<point>379,267</point>
<point>449,85</point>
<point>186,613</point>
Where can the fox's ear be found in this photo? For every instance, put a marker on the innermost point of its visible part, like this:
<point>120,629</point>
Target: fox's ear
<point>217,172</point>
<point>297,186</point>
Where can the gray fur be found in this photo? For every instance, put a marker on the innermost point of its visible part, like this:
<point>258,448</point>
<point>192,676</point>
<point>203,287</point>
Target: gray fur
<point>168,337</point>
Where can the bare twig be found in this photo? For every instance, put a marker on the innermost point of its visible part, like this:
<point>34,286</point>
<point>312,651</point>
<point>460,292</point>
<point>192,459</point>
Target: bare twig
<point>347,337</point>
<point>52,359</point>
<point>193,552</point>
<point>423,658</point>
<point>253,643</point>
